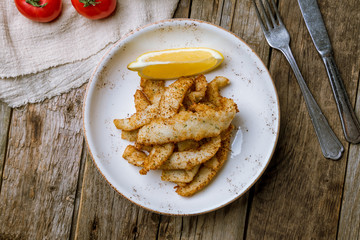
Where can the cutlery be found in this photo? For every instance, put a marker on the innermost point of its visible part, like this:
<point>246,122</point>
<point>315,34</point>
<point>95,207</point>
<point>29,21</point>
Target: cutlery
<point>318,33</point>
<point>278,37</point>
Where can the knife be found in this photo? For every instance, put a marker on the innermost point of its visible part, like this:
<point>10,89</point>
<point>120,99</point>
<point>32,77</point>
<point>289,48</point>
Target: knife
<point>315,25</point>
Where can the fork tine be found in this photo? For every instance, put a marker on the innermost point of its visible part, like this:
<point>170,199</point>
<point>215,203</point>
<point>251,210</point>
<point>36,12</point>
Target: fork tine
<point>270,12</point>
<point>265,16</point>
<point>276,12</point>
<point>259,17</point>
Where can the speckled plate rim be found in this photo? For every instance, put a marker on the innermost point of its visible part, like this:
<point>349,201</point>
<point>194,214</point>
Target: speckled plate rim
<point>102,62</point>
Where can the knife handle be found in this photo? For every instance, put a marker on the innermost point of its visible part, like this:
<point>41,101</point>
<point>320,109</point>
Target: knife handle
<point>349,121</point>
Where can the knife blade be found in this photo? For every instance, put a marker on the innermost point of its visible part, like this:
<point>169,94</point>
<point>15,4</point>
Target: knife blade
<point>315,24</point>
<point>316,27</point>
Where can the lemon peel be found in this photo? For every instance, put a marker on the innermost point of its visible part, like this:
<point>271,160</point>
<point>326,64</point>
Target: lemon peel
<point>177,62</point>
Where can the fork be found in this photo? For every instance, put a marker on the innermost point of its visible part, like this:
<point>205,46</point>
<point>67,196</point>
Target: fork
<point>278,37</point>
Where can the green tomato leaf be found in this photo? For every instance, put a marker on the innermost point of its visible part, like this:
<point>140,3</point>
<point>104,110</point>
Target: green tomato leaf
<point>35,3</point>
<point>89,2</point>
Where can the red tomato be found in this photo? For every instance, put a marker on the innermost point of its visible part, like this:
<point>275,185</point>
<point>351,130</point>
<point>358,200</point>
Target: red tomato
<point>94,9</point>
<point>39,10</point>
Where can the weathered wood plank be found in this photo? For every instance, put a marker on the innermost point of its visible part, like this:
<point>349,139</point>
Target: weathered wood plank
<point>300,194</point>
<point>183,9</point>
<point>79,190</point>
<point>347,56</point>
<point>5,112</point>
<point>41,170</point>
<point>225,223</point>
<point>227,15</point>
<point>104,214</point>
<point>209,10</point>
<point>246,26</point>
<point>350,208</point>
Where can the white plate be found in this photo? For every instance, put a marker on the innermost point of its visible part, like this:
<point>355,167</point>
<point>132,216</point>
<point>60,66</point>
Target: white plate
<point>110,95</point>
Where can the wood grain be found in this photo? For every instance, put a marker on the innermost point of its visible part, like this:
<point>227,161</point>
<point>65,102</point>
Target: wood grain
<point>80,181</point>
<point>227,14</point>
<point>183,9</point>
<point>104,214</point>
<point>42,167</point>
<point>5,112</point>
<point>50,188</point>
<point>347,55</point>
<point>300,194</point>
<point>209,10</point>
<point>246,26</point>
<point>350,210</point>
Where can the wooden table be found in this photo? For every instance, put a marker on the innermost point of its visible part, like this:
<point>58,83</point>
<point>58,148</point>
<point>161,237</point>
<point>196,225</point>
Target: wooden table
<point>50,189</point>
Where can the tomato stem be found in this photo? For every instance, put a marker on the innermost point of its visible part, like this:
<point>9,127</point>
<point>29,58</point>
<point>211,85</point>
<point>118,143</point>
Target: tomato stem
<point>89,2</point>
<point>35,3</point>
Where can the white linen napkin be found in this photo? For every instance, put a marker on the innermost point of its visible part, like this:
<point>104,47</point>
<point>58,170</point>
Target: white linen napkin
<point>41,60</point>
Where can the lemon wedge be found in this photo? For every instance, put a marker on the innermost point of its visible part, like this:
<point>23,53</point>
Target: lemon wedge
<point>175,63</point>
